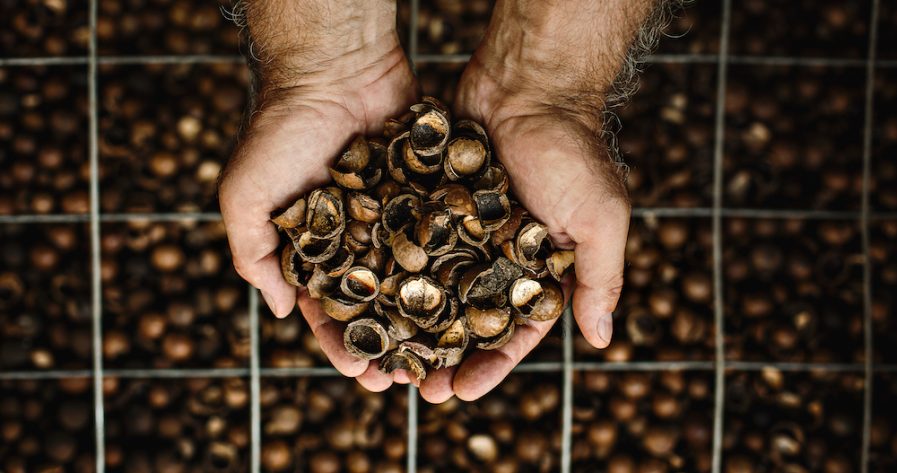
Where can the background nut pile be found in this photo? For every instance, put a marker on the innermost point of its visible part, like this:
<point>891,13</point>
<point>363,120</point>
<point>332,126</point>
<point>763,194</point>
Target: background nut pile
<point>420,248</point>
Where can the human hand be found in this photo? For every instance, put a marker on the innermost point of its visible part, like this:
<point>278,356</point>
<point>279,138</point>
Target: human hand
<point>345,77</point>
<point>550,141</point>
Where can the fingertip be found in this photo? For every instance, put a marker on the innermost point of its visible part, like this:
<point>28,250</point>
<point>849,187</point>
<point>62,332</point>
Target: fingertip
<point>437,387</point>
<point>373,379</point>
<point>595,324</point>
<point>402,377</point>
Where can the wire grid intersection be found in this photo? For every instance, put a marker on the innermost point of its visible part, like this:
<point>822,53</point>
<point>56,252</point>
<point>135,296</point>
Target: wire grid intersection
<point>254,372</point>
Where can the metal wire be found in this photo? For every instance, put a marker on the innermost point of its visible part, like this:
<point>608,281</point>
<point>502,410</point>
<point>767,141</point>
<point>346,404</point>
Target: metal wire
<point>255,416</point>
<point>718,308</point>
<point>411,459</point>
<point>867,270</point>
<point>638,212</point>
<point>96,281</point>
<point>567,410</point>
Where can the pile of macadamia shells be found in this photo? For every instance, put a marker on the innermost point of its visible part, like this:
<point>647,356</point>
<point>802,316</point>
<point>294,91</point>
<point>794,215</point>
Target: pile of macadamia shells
<point>419,247</point>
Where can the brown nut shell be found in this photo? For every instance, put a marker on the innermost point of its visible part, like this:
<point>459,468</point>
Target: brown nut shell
<point>452,342</point>
<point>434,232</point>
<point>295,272</point>
<point>456,197</point>
<point>536,300</point>
<point>363,207</point>
<point>421,299</point>
<point>339,263</point>
<point>559,262</point>
<point>320,284</point>
<point>293,216</point>
<point>366,338</point>
<point>430,131</point>
<point>360,284</point>
<point>400,328</point>
<point>400,211</point>
<point>403,360</point>
<point>343,309</point>
<point>410,256</point>
<point>315,250</point>
<point>324,217</point>
<point>530,245</point>
<point>487,323</point>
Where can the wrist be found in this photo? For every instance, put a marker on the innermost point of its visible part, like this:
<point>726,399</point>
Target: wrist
<point>303,43</point>
<point>550,57</point>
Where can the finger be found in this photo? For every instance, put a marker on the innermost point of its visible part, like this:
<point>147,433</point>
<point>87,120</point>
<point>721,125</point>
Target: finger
<point>404,377</point>
<point>600,236</point>
<point>484,369</point>
<point>373,379</point>
<point>254,245</point>
<point>330,337</point>
<point>437,387</point>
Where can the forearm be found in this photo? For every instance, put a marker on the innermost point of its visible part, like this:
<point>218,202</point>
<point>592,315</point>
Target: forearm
<point>566,52</point>
<point>290,40</point>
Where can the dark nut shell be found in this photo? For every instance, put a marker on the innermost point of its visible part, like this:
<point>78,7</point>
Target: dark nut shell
<point>559,262</point>
<point>530,245</point>
<point>403,360</point>
<point>420,164</point>
<point>366,339</point>
<point>400,328</point>
<point>360,284</point>
<point>358,236</point>
<point>493,208</point>
<point>508,230</point>
<point>401,211</point>
<point>495,179</point>
<point>447,317</point>
<point>395,161</point>
<point>471,231</point>
<point>295,272</point>
<point>343,309</point>
<point>324,217</point>
<point>421,299</point>
<point>434,231</point>
<point>339,263</point>
<point>320,284</point>
<point>430,130</point>
<point>447,269</point>
<point>293,216</point>
<point>485,286</point>
<point>356,180</point>
<point>315,250</point>
<point>374,259</point>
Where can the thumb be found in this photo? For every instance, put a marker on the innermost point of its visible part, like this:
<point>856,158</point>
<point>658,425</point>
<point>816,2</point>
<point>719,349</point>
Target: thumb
<point>600,233</point>
<point>254,242</point>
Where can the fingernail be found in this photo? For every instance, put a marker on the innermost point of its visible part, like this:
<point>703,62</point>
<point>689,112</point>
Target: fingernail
<point>605,327</point>
<point>271,305</point>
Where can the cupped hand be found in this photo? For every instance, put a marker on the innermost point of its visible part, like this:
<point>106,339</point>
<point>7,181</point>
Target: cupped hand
<point>561,171</point>
<point>296,130</point>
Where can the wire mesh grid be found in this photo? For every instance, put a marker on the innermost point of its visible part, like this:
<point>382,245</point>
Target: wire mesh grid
<point>568,365</point>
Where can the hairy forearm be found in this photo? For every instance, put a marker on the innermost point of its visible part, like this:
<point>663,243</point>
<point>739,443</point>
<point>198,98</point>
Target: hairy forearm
<point>292,39</point>
<point>561,53</point>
